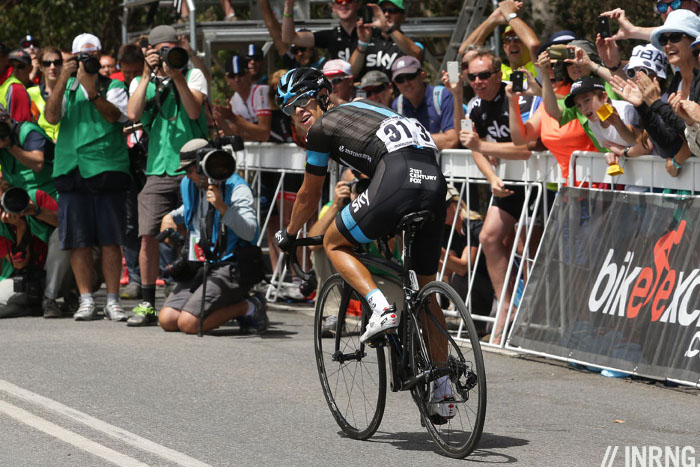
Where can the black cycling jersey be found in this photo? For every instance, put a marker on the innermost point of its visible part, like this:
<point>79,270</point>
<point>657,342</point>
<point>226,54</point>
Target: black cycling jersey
<point>490,118</point>
<point>359,134</point>
<point>381,54</point>
<point>339,43</point>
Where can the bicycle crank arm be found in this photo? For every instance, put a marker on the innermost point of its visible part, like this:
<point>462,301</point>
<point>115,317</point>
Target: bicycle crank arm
<point>426,376</point>
<point>344,357</point>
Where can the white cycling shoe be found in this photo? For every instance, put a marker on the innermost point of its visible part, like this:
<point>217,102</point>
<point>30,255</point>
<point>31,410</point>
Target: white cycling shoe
<point>388,321</point>
<point>442,403</point>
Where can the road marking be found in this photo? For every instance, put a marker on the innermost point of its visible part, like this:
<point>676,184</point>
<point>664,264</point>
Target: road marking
<point>68,436</point>
<point>106,428</point>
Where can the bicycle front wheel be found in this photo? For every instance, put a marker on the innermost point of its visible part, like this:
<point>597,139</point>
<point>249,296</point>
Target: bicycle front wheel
<point>353,375</point>
<point>451,396</point>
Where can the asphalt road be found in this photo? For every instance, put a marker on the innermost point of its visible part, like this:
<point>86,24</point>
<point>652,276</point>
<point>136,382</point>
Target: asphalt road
<point>99,393</point>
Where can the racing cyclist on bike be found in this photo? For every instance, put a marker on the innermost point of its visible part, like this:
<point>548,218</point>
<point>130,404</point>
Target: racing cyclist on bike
<point>399,156</point>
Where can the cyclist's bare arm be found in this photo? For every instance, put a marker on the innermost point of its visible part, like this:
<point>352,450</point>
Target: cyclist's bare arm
<point>306,203</point>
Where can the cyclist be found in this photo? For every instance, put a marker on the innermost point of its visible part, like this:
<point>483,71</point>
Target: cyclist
<point>399,156</point>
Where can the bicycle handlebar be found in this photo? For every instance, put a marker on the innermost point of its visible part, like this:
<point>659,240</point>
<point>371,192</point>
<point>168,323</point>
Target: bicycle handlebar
<point>292,254</point>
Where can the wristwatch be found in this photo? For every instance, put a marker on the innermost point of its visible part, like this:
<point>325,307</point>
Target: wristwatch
<point>626,151</point>
<point>511,16</point>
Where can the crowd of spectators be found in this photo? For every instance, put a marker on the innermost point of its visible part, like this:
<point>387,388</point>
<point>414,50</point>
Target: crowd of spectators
<point>101,153</point>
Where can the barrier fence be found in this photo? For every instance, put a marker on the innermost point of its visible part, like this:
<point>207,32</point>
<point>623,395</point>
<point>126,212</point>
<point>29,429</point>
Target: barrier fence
<point>535,174</point>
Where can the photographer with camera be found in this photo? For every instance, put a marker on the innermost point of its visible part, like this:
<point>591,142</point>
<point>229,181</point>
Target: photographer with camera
<point>91,171</point>
<point>27,220</point>
<point>168,98</point>
<point>213,190</point>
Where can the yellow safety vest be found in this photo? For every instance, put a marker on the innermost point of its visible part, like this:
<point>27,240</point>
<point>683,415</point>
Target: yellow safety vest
<point>4,87</point>
<point>506,70</point>
<point>38,100</point>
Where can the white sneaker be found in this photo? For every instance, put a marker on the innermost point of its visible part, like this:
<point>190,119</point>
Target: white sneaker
<point>385,322</point>
<point>114,312</point>
<point>86,311</point>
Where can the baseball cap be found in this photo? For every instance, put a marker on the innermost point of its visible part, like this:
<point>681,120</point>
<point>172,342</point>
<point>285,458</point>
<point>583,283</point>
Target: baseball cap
<point>649,57</point>
<point>405,65</point>
<point>188,152</point>
<point>162,33</point>
<point>337,67</point>
<point>451,193</point>
<point>254,52</point>
<point>583,85</point>
<point>684,21</point>
<point>559,37</point>
<point>84,39</point>
<point>20,56</point>
<point>372,79</point>
<point>28,40</point>
<point>507,29</point>
<point>398,3</point>
<point>589,48</point>
<point>236,65</point>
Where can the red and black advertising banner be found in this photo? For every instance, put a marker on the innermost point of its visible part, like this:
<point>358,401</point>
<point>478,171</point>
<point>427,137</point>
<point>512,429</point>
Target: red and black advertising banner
<point>617,284</point>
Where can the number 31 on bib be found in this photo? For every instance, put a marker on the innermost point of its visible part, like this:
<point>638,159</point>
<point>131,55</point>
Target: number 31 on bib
<point>401,132</point>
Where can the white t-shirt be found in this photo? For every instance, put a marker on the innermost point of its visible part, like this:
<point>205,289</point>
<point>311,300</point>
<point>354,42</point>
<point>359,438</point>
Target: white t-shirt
<point>628,115</point>
<point>195,81</point>
<point>256,105</point>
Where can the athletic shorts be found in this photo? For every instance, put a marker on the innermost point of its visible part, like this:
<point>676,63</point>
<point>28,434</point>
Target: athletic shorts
<point>405,181</point>
<point>159,196</point>
<point>223,290</point>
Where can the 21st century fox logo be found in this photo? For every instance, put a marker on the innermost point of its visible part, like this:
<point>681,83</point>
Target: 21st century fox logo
<point>650,456</point>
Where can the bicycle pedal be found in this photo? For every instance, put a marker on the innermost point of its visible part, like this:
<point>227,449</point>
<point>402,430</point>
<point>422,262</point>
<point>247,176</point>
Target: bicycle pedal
<point>379,341</point>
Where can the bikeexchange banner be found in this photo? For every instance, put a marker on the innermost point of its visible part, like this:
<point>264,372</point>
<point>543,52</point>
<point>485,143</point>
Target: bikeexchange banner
<point>617,284</point>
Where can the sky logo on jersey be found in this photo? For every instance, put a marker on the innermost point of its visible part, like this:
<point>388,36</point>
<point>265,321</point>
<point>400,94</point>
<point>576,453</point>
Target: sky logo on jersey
<point>417,176</point>
<point>362,200</point>
<point>497,131</point>
<point>381,59</point>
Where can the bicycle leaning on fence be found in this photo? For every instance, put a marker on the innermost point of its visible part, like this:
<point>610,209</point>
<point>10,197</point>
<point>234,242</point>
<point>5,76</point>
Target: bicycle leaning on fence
<point>353,375</point>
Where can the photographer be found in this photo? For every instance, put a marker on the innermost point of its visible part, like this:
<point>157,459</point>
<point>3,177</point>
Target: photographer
<point>27,221</point>
<point>168,99</point>
<point>226,293</point>
<point>91,171</point>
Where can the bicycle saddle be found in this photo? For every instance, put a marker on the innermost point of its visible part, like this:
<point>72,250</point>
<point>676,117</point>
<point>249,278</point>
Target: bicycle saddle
<point>415,220</point>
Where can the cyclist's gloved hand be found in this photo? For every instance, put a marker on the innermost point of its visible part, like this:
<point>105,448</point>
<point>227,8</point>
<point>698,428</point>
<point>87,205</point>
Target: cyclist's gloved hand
<point>284,239</point>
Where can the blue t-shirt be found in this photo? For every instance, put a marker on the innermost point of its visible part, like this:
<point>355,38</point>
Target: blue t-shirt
<point>426,113</point>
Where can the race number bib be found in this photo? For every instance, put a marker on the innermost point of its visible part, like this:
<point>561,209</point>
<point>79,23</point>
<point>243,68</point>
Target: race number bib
<point>400,132</point>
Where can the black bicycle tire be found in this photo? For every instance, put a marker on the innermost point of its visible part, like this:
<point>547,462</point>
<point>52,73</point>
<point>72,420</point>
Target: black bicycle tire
<point>347,426</point>
<point>477,429</point>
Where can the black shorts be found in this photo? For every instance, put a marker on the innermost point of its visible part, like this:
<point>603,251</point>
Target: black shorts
<point>404,182</point>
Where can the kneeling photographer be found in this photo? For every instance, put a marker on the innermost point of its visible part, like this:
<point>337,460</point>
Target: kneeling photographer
<point>218,214</point>
<point>27,220</point>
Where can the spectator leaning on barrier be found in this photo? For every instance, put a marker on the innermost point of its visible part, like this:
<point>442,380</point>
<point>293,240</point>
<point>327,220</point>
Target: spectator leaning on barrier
<point>91,172</point>
<point>490,140</point>
<point>13,95</point>
<point>339,73</point>
<point>520,43</point>
<point>430,105</point>
<point>377,86</point>
<point>381,42</point>
<point>256,64</point>
<point>51,65</point>
<point>339,41</point>
<point>226,289</point>
<point>249,114</point>
<point>169,103</point>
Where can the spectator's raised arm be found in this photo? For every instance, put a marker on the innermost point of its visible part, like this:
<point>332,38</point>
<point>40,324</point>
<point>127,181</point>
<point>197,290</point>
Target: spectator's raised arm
<point>289,35</point>
<point>527,36</point>
<point>627,29</point>
<point>549,99</point>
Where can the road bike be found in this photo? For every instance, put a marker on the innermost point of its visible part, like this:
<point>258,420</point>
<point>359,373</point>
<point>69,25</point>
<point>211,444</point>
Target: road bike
<point>353,375</point>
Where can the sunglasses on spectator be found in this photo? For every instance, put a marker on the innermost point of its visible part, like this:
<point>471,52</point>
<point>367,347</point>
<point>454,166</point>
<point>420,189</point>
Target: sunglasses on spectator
<point>343,2</point>
<point>48,63</point>
<point>631,72</point>
<point>511,38</point>
<point>674,38</point>
<point>301,101</point>
<point>26,45</point>
<point>391,10</point>
<point>338,80</point>
<point>483,76</point>
<point>408,77</point>
<point>296,50</point>
<point>662,7</point>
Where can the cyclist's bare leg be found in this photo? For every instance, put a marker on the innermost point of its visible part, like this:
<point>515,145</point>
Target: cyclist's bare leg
<point>339,251</point>
<point>435,339</point>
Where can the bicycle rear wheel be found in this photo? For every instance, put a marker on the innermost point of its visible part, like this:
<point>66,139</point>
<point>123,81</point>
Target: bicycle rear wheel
<point>353,375</point>
<point>457,367</point>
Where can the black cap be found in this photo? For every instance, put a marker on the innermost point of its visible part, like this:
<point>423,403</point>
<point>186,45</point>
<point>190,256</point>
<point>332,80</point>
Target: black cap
<point>583,85</point>
<point>236,65</point>
<point>254,52</point>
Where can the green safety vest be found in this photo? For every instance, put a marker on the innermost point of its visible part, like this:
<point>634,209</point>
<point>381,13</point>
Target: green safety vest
<point>88,141</point>
<point>22,176</point>
<point>36,97</point>
<point>168,130</point>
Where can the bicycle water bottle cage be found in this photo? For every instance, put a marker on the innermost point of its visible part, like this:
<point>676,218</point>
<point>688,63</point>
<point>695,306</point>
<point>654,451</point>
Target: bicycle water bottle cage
<point>414,221</point>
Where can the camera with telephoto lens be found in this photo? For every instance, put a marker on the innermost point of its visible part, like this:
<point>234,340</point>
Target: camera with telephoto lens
<point>31,282</point>
<point>15,200</point>
<point>216,160</point>
<point>91,64</point>
<point>175,57</point>
<point>181,268</point>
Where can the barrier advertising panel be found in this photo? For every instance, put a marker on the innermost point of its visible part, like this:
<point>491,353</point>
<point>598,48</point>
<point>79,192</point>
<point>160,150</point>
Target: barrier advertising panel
<point>617,284</point>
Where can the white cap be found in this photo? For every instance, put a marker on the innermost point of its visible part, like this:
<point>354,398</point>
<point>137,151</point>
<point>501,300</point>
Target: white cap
<point>649,57</point>
<point>82,40</point>
<point>337,67</point>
